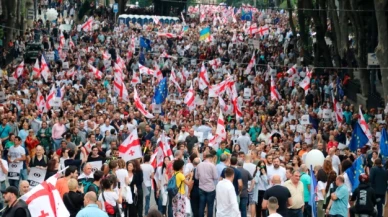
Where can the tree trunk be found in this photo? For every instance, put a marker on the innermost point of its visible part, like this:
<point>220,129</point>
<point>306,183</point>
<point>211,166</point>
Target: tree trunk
<point>382,47</point>
<point>11,20</point>
<point>122,5</point>
<point>339,22</point>
<point>290,17</point>
<point>303,31</point>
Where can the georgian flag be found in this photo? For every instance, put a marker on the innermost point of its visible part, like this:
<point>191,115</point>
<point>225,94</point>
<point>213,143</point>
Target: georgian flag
<point>190,98</point>
<point>224,108</point>
<point>71,43</point>
<point>292,70</point>
<point>220,133</point>
<point>216,63</point>
<point>251,29</point>
<point>167,35</point>
<point>135,79</point>
<point>44,200</point>
<point>36,69</point>
<point>40,102</point>
<point>164,146</point>
<point>146,70</point>
<point>87,26</point>
<point>120,62</point>
<point>305,84</point>
<point>364,126</point>
<point>140,106</point>
<point>157,157</point>
<point>338,111</point>
<point>174,80</point>
<point>97,73</point>
<point>19,70</point>
<point>309,73</point>
<point>203,78</point>
<point>156,19</point>
<point>274,92</point>
<point>263,30</point>
<point>44,69</point>
<point>165,55</point>
<point>106,55</point>
<point>130,148</point>
<point>219,89</point>
<point>61,41</point>
<point>119,87</point>
<point>50,97</point>
<point>251,63</point>
<point>118,71</point>
<point>236,106</point>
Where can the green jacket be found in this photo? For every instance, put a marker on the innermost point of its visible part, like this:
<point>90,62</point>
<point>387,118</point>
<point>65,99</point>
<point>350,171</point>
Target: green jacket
<point>45,140</point>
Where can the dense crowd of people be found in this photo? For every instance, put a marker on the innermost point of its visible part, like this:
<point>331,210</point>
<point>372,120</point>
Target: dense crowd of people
<point>75,121</point>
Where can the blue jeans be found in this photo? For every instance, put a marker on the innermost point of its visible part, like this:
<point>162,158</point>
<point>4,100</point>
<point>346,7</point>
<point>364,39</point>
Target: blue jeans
<point>206,198</point>
<point>243,206</point>
<point>295,212</point>
<point>14,183</point>
<point>23,175</point>
<point>147,201</point>
<point>169,206</point>
<point>57,144</point>
<point>380,198</point>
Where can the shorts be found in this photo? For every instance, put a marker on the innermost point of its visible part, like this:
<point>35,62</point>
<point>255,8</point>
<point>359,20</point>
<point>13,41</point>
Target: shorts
<point>250,198</point>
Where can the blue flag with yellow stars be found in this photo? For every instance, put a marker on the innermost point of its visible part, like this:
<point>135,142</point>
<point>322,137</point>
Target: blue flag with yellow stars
<point>354,172</point>
<point>161,91</point>
<point>384,145</point>
<point>359,139</point>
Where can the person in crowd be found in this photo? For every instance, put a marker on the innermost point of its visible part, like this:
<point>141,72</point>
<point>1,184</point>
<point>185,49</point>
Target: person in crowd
<point>91,209</point>
<point>52,168</point>
<point>237,181</point>
<point>74,162</point>
<point>364,198</point>
<point>148,175</point>
<point>321,191</point>
<point>378,181</point>
<point>245,177</point>
<point>16,155</point>
<point>39,160</point>
<point>134,167</point>
<point>227,204</point>
<point>3,176</point>
<point>24,187</point>
<point>339,199</point>
<point>306,180</point>
<point>222,164</point>
<point>179,200</point>
<point>58,131</point>
<point>194,194</point>
<point>273,205</point>
<point>15,207</point>
<point>260,184</point>
<point>109,198</point>
<point>206,173</point>
<point>295,187</point>
<point>74,199</point>
<point>162,181</point>
<point>281,193</point>
<point>86,175</point>
<point>31,142</point>
<point>62,184</point>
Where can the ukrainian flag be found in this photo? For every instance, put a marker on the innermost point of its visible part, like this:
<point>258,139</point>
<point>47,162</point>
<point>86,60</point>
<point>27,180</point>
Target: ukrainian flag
<point>204,33</point>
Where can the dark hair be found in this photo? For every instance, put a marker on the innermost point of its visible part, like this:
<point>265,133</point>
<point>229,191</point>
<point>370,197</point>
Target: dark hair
<point>229,172</point>
<point>178,164</point>
<point>330,179</point>
<point>94,146</point>
<point>154,213</point>
<point>136,165</point>
<point>112,164</point>
<point>233,160</point>
<point>192,157</point>
<point>71,153</point>
<point>98,175</point>
<point>378,162</point>
<point>164,165</point>
<point>321,176</point>
<point>346,164</point>
<point>70,170</point>
<point>106,183</point>
<point>51,165</point>
<point>63,150</point>
<point>18,138</point>
<point>147,158</point>
<point>258,165</point>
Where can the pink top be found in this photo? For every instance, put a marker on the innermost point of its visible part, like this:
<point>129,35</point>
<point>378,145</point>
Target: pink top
<point>58,130</point>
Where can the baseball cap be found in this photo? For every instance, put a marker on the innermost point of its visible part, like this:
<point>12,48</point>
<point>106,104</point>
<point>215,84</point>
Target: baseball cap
<point>11,189</point>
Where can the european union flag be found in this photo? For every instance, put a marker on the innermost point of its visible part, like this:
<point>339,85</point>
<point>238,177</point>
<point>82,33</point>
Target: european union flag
<point>59,94</point>
<point>354,172</point>
<point>146,43</point>
<point>313,185</point>
<point>358,139</point>
<point>246,15</point>
<point>161,91</point>
<point>384,145</point>
<point>141,58</point>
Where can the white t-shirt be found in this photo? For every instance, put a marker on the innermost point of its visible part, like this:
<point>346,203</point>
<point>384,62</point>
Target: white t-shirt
<point>121,175</point>
<point>321,185</point>
<point>16,152</point>
<point>275,215</point>
<point>279,171</point>
<point>147,171</point>
<point>110,196</point>
<point>2,175</point>
<point>335,161</point>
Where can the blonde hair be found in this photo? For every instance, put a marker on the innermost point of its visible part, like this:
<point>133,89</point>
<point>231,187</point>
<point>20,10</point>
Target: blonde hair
<point>72,184</point>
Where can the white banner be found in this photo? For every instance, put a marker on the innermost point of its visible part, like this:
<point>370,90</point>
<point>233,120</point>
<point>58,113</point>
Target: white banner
<point>156,108</point>
<point>199,135</point>
<point>14,170</point>
<point>96,165</point>
<point>326,113</point>
<point>65,65</point>
<point>50,55</point>
<point>36,176</point>
<point>247,92</point>
<point>305,120</point>
<point>12,80</point>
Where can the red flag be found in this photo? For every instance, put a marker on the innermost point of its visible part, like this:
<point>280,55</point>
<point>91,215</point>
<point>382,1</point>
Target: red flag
<point>135,79</point>
<point>130,148</point>
<point>305,84</point>
<point>220,133</point>
<point>36,69</point>
<point>19,70</point>
<point>50,97</point>
<point>203,78</point>
<point>173,78</point>
<point>251,63</point>
<point>44,69</point>
<point>163,144</point>
<point>40,102</point>
<point>190,98</point>
<point>274,92</point>
<point>87,26</point>
<point>97,73</point>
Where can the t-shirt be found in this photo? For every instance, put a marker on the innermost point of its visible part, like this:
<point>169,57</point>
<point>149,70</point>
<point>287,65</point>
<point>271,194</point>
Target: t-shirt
<point>42,162</point>
<point>3,176</point>
<point>121,175</point>
<point>275,215</point>
<point>245,176</point>
<point>72,162</point>
<point>321,185</point>
<point>282,194</point>
<point>147,171</point>
<point>179,179</point>
<point>110,197</point>
<point>237,176</point>
<point>16,152</point>
<point>305,179</point>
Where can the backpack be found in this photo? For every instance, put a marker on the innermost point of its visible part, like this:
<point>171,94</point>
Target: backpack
<point>172,188</point>
<point>88,185</point>
<point>110,210</point>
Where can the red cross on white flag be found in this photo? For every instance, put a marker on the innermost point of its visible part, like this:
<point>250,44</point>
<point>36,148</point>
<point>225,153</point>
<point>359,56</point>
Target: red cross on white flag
<point>140,106</point>
<point>130,149</point>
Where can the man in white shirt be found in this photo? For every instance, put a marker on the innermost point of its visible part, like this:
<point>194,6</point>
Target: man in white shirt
<point>16,156</point>
<point>277,170</point>
<point>227,205</point>
<point>148,176</point>
<point>335,161</point>
<point>106,127</point>
<point>272,207</point>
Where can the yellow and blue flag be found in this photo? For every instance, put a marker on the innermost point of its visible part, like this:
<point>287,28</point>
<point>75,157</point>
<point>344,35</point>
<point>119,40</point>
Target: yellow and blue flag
<point>354,172</point>
<point>384,145</point>
<point>359,139</point>
<point>161,92</point>
<point>204,33</point>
